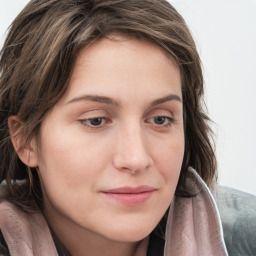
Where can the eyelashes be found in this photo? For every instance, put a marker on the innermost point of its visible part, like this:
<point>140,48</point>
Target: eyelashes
<point>101,122</point>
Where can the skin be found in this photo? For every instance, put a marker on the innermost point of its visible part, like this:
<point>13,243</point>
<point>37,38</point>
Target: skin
<point>136,139</point>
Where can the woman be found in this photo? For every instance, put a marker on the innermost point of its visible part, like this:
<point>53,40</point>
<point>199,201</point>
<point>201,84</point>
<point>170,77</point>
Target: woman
<point>102,129</point>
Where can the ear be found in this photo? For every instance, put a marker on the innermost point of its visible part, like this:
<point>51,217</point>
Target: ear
<point>26,152</point>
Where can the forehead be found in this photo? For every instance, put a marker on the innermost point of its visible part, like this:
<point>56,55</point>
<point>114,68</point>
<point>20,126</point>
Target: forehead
<point>115,65</point>
<point>132,49</point>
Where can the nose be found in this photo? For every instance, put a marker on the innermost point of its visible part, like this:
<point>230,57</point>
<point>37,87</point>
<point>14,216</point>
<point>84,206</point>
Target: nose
<point>131,151</point>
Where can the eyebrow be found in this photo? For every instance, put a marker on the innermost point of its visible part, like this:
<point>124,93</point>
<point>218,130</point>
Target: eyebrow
<point>113,102</point>
<point>96,98</point>
<point>170,97</point>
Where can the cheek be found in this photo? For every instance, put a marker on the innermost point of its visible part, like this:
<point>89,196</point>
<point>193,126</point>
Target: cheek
<point>168,158</point>
<point>70,162</point>
<point>69,171</point>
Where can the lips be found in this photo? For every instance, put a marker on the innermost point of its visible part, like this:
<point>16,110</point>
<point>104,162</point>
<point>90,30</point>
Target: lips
<point>130,196</point>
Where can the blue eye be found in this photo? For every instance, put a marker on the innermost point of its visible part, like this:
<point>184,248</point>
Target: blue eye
<point>162,120</point>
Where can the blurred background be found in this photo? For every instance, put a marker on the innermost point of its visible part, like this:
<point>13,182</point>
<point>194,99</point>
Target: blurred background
<point>225,33</point>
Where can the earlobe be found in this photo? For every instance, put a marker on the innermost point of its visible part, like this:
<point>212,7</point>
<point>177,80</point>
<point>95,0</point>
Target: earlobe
<point>27,151</point>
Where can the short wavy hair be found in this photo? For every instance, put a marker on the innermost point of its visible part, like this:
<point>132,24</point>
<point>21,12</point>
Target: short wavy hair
<point>37,60</point>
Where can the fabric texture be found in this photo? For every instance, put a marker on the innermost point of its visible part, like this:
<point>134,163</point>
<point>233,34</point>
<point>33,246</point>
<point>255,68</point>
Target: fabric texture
<point>238,215</point>
<point>25,234</point>
<point>193,227</point>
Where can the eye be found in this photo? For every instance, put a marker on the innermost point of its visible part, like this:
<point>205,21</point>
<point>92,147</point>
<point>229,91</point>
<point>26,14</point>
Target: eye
<point>93,122</point>
<point>161,120</point>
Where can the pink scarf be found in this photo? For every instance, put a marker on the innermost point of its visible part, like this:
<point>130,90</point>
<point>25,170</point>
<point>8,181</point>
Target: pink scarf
<point>194,226</point>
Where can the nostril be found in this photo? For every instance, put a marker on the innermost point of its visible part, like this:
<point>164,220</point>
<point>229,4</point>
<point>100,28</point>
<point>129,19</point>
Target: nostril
<point>132,165</point>
<point>132,171</point>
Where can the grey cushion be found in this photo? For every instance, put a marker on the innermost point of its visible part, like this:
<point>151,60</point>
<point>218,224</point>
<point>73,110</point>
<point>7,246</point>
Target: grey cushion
<point>238,216</point>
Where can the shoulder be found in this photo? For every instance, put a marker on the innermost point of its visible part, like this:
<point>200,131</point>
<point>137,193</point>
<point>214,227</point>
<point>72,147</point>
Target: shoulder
<point>238,215</point>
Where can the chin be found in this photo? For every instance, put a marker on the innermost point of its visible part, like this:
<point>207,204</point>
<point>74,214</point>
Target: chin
<point>131,227</point>
<point>133,233</point>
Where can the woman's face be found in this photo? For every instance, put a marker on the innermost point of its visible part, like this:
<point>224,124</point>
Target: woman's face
<point>111,149</point>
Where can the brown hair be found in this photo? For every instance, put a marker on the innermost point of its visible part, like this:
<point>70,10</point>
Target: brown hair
<point>37,59</point>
